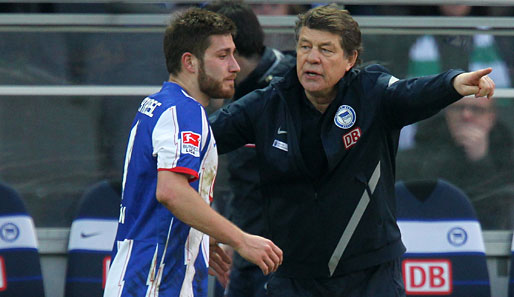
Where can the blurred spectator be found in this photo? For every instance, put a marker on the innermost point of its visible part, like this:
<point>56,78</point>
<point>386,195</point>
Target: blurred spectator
<point>429,54</point>
<point>283,41</point>
<point>455,10</point>
<point>423,60</point>
<point>278,9</point>
<point>472,149</point>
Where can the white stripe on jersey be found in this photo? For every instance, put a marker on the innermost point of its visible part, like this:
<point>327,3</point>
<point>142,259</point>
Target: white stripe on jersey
<point>205,130</point>
<point>128,155</point>
<point>118,268</point>
<point>165,139</point>
<point>191,249</point>
<point>187,95</point>
<point>205,249</point>
<point>154,281</point>
<point>209,169</point>
<point>153,287</point>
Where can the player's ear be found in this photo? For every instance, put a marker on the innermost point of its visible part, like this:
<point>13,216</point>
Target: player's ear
<point>189,62</point>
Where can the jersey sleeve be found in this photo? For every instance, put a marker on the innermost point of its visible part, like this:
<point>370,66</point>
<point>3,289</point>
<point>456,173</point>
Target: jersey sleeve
<point>177,139</point>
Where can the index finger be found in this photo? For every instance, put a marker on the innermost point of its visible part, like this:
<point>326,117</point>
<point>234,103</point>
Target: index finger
<point>481,72</point>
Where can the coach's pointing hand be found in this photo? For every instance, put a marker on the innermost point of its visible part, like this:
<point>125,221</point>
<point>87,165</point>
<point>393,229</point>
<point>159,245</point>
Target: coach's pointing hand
<point>475,83</point>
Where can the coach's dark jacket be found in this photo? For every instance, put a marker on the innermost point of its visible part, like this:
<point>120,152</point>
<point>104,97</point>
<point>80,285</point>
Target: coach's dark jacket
<point>246,204</point>
<point>345,220</point>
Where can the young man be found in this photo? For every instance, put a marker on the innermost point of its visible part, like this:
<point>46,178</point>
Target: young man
<point>259,65</point>
<point>170,166</point>
<point>326,138</point>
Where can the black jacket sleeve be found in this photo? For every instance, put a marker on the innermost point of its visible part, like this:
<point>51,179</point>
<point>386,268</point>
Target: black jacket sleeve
<point>234,125</point>
<point>411,100</point>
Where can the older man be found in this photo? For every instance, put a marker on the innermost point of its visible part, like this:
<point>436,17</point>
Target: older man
<point>326,137</point>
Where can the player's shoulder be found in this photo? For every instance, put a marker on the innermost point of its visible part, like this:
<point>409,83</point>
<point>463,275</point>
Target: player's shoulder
<point>177,98</point>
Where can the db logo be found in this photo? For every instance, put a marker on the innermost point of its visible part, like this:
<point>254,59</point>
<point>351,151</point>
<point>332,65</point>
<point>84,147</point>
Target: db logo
<point>427,277</point>
<point>351,137</point>
<point>106,263</point>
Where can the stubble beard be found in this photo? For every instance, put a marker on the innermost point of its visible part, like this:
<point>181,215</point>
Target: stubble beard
<point>212,87</point>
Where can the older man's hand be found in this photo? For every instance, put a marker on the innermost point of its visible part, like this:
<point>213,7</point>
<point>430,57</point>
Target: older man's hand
<point>475,83</point>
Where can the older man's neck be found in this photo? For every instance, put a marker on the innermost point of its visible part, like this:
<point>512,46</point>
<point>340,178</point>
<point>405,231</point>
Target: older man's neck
<point>321,101</point>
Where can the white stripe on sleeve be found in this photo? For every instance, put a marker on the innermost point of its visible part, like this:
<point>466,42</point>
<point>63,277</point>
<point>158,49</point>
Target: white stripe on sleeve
<point>165,139</point>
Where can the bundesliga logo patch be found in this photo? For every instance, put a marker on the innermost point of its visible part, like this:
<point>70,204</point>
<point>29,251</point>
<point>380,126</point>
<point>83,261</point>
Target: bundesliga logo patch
<point>190,143</point>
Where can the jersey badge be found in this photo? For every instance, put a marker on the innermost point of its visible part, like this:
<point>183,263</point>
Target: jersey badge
<point>191,143</point>
<point>345,117</point>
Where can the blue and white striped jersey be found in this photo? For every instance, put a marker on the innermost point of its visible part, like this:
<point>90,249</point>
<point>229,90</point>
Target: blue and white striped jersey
<point>155,254</point>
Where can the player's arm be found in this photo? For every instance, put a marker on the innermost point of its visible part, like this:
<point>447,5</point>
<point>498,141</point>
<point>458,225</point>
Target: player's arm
<point>174,192</point>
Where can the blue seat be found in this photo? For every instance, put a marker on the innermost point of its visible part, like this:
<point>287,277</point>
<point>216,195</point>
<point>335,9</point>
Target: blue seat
<point>92,237</point>
<point>20,267</point>
<point>445,248</point>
